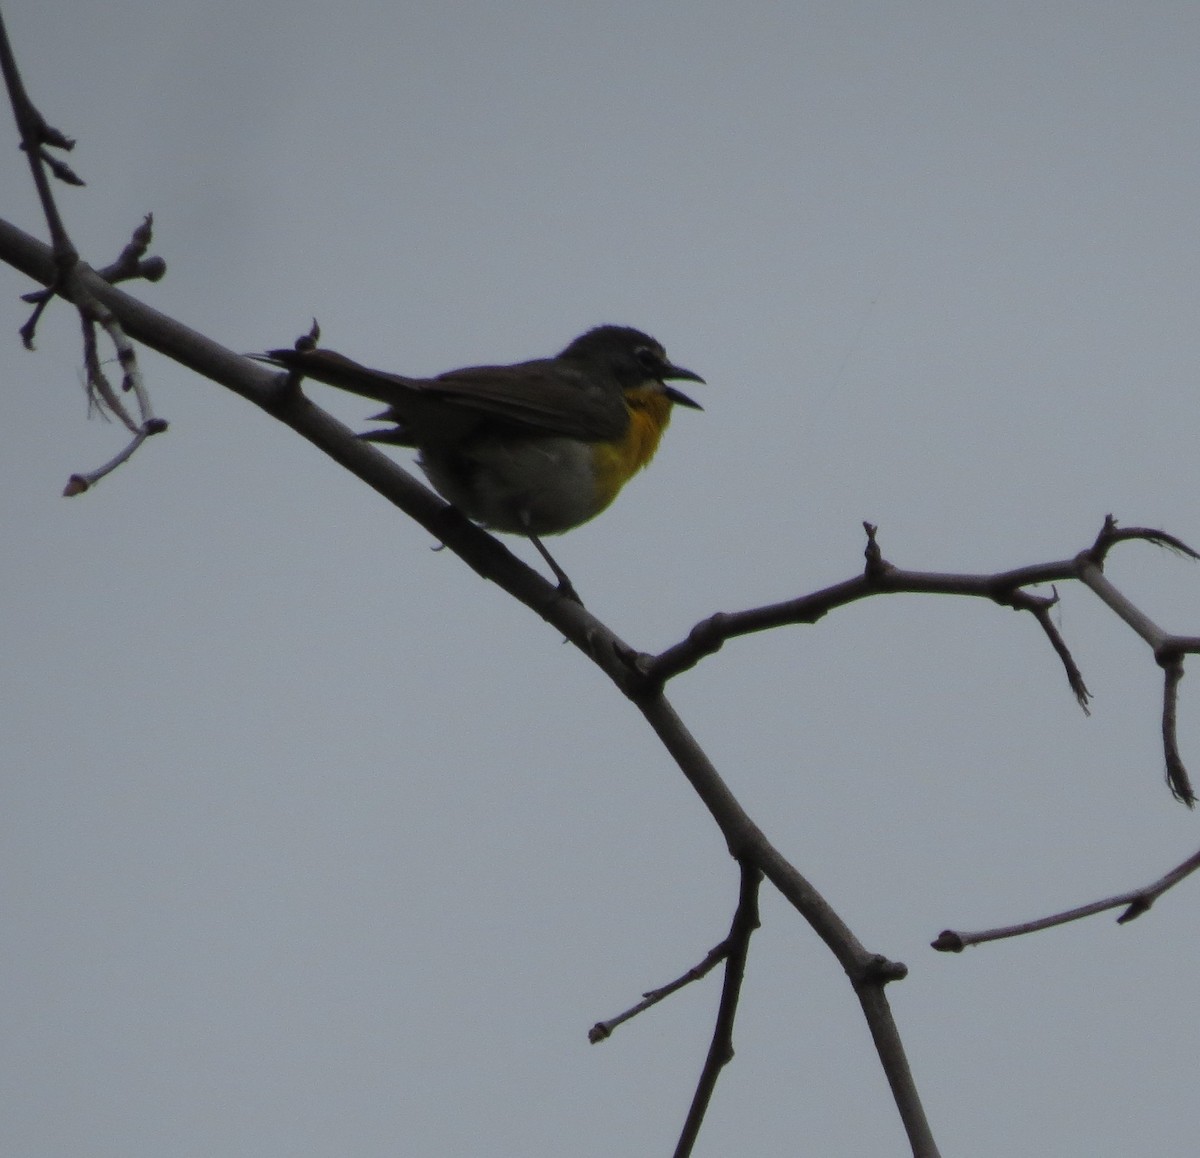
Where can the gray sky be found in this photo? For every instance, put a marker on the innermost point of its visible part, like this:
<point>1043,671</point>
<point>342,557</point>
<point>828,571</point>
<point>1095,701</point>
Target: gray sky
<point>314,844</point>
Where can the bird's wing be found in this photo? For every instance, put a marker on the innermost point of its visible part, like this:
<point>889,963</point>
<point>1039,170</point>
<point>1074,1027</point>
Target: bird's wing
<point>547,396</point>
<point>544,396</point>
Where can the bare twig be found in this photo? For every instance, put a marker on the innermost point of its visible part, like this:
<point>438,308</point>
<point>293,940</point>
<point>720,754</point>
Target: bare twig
<point>36,137</point>
<point>1006,588</point>
<point>78,483</point>
<point>880,577</point>
<point>1091,576</point>
<point>131,264</point>
<point>748,845</point>
<point>640,678</point>
<point>720,1050</point>
<point>1040,610</point>
<point>105,399</point>
<point>131,377</point>
<point>1040,606</point>
<point>102,305</point>
<point>101,395</point>
<point>1135,902</point>
<point>603,1030</point>
<point>1111,533</point>
<point>1177,776</point>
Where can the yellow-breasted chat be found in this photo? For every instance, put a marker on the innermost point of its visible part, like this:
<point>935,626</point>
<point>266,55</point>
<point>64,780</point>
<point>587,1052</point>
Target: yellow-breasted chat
<point>534,448</point>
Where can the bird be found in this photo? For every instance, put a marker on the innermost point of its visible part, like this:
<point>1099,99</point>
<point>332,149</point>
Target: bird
<point>534,448</point>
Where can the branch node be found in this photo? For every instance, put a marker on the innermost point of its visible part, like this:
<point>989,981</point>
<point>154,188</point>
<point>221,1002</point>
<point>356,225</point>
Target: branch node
<point>880,970</point>
<point>1104,540</point>
<point>877,566</point>
<point>1135,910</point>
<point>947,941</point>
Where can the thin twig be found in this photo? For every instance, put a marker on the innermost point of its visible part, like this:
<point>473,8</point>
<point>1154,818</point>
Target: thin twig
<point>748,845</point>
<point>131,264</point>
<point>1135,902</point>
<point>101,395</point>
<point>36,136</point>
<point>1111,533</point>
<point>1040,610</point>
<point>880,577</point>
<point>602,1030</point>
<point>1177,776</point>
<point>78,483</point>
<point>720,1050</point>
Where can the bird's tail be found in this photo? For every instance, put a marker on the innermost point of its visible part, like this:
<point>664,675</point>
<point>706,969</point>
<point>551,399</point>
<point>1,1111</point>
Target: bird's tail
<point>337,370</point>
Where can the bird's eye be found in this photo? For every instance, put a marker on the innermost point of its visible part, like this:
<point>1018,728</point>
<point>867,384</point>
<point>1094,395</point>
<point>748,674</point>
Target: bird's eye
<point>649,359</point>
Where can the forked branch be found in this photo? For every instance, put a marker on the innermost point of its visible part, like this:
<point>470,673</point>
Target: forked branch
<point>37,138</point>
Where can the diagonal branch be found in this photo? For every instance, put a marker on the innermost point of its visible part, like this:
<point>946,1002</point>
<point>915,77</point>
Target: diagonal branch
<point>709,635</point>
<point>1135,902</point>
<point>36,137</point>
<point>720,1051</point>
<point>880,577</point>
<point>1111,534</point>
<point>749,846</point>
<point>1040,610</point>
<point>639,677</point>
<point>603,1030</point>
<point>495,562</point>
<point>1006,588</point>
<point>1177,776</point>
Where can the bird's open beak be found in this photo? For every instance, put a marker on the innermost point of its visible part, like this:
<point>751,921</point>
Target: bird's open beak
<point>679,396</point>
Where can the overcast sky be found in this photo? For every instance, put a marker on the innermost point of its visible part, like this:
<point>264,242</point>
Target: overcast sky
<point>313,843</point>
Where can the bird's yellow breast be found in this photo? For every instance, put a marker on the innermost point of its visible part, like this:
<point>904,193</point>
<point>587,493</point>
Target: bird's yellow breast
<point>617,462</point>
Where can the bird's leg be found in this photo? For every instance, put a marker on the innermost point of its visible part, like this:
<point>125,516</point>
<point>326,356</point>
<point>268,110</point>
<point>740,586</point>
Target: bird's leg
<point>565,586</point>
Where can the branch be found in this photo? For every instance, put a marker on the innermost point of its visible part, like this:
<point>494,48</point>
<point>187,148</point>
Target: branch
<point>36,137</point>
<point>640,677</point>
<point>1005,587</point>
<point>748,845</point>
<point>269,390</point>
<point>1135,903</point>
<point>1040,610</point>
<point>272,392</point>
<point>720,1050</point>
<point>131,264</point>
<point>710,635</point>
<point>1111,534</point>
<point>732,950</point>
<point>1177,776</point>
<point>603,1030</point>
